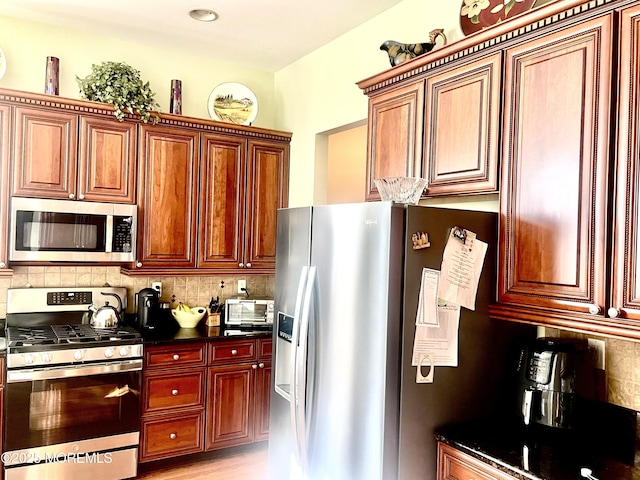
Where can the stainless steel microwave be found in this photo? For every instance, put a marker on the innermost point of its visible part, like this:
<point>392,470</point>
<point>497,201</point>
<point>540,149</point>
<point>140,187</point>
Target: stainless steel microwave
<point>247,311</point>
<point>71,231</point>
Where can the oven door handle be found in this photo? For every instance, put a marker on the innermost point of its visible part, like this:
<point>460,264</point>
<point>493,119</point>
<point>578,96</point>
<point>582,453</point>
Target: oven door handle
<point>14,376</point>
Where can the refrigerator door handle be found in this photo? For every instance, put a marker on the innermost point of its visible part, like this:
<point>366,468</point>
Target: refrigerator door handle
<point>295,338</point>
<point>301,369</point>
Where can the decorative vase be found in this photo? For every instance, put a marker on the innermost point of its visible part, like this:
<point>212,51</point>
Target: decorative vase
<point>52,77</point>
<point>175,105</point>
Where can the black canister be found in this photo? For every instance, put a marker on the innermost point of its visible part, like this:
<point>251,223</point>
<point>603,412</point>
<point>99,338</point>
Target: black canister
<point>148,308</point>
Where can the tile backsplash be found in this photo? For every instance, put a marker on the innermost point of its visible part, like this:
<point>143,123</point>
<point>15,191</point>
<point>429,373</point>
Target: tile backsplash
<point>195,291</point>
<point>622,368</point>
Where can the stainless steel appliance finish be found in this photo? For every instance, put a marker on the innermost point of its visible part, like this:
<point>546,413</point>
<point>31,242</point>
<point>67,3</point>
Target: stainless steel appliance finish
<point>553,374</point>
<point>73,391</point>
<point>63,231</point>
<point>248,311</point>
<point>344,402</point>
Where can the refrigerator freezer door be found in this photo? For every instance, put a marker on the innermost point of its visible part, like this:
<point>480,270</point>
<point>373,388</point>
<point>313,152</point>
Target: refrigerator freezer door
<point>293,251</point>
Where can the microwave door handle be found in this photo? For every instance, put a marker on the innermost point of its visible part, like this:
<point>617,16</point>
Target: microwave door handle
<point>108,244</point>
<point>302,368</point>
<point>293,361</point>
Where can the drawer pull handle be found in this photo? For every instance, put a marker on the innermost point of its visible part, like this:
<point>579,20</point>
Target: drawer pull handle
<point>174,392</point>
<point>173,436</point>
<point>613,312</point>
<point>176,357</point>
<point>234,352</point>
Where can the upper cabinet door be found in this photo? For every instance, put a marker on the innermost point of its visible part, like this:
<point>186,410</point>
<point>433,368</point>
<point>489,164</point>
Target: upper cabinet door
<point>267,191</point>
<point>5,112</point>
<point>168,170</point>
<point>395,135</point>
<point>106,170</point>
<point>462,122</point>
<point>553,199</point>
<point>626,233</point>
<point>222,191</point>
<point>45,153</point>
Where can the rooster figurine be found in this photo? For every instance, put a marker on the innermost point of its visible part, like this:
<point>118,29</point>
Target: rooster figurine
<point>401,52</point>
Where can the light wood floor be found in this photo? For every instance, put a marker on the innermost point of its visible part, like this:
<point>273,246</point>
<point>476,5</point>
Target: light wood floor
<point>242,463</point>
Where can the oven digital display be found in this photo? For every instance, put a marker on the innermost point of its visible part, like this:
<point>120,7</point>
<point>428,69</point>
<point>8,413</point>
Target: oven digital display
<point>69,298</point>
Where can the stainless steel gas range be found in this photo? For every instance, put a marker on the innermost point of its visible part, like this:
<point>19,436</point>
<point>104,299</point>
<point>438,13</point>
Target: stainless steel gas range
<point>73,391</point>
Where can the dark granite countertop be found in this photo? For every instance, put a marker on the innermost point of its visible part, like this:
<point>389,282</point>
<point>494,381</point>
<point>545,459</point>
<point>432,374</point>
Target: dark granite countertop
<point>606,442</point>
<point>168,331</point>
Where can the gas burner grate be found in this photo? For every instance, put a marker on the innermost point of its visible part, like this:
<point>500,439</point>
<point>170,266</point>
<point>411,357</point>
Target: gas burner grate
<point>21,336</point>
<point>75,333</point>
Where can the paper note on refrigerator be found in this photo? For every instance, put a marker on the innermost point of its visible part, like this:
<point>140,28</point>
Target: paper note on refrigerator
<point>462,262</point>
<point>427,313</point>
<point>439,343</point>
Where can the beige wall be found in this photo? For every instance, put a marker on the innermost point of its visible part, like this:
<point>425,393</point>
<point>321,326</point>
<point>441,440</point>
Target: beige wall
<point>27,45</point>
<point>346,165</point>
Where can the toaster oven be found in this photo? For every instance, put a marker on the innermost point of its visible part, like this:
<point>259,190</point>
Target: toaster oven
<point>248,311</point>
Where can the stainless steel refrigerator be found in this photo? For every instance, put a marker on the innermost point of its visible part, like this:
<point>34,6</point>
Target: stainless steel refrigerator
<point>345,404</point>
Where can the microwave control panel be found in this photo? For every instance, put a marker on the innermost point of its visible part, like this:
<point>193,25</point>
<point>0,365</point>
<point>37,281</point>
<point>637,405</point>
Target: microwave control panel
<point>122,234</point>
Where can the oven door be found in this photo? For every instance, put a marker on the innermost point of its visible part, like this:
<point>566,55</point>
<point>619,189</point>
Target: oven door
<point>60,405</point>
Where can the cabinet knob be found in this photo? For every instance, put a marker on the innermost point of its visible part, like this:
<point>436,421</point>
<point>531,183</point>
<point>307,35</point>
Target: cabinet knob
<point>81,197</point>
<point>613,312</point>
<point>241,265</point>
<point>174,392</point>
<point>261,365</point>
<point>173,436</point>
<point>254,366</point>
<point>234,352</point>
<point>176,356</point>
<point>3,265</point>
<point>594,309</point>
<point>139,264</point>
<point>248,265</point>
<point>72,196</point>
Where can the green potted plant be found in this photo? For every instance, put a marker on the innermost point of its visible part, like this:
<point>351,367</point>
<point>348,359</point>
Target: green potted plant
<point>120,85</point>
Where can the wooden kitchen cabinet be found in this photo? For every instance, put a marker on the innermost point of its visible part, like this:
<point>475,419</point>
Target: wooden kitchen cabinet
<point>218,213</point>
<point>456,465</point>
<point>625,284</point>
<point>237,401</point>
<point>168,172</point>
<point>173,400</point>
<point>242,185</point>
<point>394,135</point>
<point>462,126</point>
<point>5,113</point>
<point>60,154</point>
<point>554,186</point>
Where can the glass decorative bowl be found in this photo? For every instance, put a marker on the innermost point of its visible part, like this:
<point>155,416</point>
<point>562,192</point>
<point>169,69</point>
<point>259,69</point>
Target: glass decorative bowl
<point>406,190</point>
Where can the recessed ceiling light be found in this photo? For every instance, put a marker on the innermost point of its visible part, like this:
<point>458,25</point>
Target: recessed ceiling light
<point>203,15</point>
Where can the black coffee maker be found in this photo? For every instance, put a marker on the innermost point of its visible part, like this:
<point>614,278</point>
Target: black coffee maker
<point>148,309</point>
<point>553,374</point>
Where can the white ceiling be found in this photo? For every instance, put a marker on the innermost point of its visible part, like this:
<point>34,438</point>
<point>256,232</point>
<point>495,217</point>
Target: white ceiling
<point>263,34</point>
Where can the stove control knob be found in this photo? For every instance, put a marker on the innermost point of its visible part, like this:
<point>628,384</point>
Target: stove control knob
<point>78,355</point>
<point>124,351</point>
<point>28,358</point>
<point>108,352</point>
<point>45,357</point>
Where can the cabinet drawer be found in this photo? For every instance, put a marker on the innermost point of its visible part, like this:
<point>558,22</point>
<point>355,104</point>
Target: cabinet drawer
<point>455,465</point>
<point>177,355</point>
<point>174,390</point>
<point>171,436</point>
<point>264,349</point>
<point>223,352</point>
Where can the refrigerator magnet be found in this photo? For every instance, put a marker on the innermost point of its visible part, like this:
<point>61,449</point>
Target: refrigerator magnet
<point>424,360</point>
